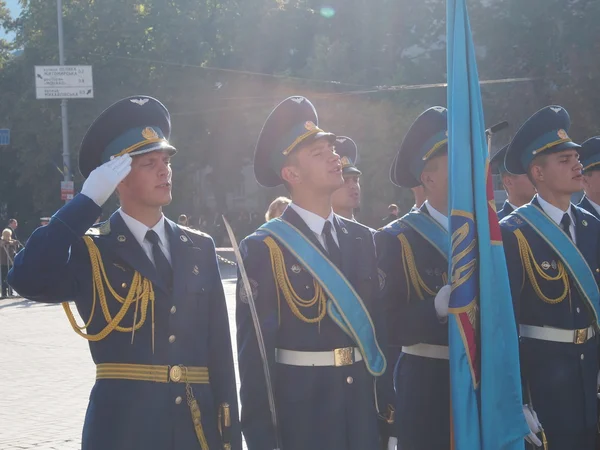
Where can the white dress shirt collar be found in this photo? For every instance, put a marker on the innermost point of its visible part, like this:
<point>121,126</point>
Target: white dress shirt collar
<point>556,214</point>
<point>437,216</point>
<point>139,230</point>
<point>316,223</point>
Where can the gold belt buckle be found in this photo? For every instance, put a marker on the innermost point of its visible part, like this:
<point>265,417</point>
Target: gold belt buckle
<point>581,336</point>
<point>343,356</point>
<point>175,374</point>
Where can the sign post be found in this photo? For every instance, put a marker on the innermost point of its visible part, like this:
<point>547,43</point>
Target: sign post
<point>67,190</point>
<point>63,82</point>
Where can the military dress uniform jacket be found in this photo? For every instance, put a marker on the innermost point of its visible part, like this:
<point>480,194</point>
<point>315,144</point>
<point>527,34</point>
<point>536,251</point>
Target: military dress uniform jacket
<point>505,211</point>
<point>585,204</point>
<point>318,408</point>
<point>191,328</point>
<point>559,379</point>
<point>422,384</point>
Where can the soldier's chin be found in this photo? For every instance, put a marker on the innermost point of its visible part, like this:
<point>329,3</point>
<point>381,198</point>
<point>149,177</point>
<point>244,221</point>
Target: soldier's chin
<point>337,180</point>
<point>164,200</point>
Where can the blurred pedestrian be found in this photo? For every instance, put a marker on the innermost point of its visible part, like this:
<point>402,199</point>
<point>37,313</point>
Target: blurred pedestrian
<point>277,207</point>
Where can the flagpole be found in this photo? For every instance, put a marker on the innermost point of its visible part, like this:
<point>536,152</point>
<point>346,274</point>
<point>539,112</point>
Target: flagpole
<point>493,130</point>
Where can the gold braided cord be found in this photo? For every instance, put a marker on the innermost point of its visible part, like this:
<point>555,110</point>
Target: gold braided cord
<point>141,293</point>
<point>294,301</point>
<point>408,260</point>
<point>529,264</point>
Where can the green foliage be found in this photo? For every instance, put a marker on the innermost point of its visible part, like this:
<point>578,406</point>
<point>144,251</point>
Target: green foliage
<point>336,53</point>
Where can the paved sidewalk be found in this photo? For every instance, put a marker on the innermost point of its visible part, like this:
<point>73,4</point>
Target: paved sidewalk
<point>46,374</point>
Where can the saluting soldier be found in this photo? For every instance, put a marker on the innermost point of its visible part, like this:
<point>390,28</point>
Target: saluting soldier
<point>413,263</point>
<point>313,280</point>
<point>551,249</point>
<point>519,189</point>
<point>148,291</point>
<point>590,158</point>
<point>347,198</point>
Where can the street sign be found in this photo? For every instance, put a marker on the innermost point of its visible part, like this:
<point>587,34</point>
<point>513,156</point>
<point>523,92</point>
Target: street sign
<point>4,136</point>
<point>67,190</point>
<point>63,82</point>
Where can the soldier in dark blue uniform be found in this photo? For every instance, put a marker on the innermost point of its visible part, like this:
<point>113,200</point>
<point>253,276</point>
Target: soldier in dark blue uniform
<point>551,251</point>
<point>148,291</point>
<point>590,158</point>
<point>347,198</point>
<point>519,189</point>
<point>313,279</point>
<point>412,258</point>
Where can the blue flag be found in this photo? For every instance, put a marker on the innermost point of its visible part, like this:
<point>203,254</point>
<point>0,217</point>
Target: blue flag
<point>485,375</point>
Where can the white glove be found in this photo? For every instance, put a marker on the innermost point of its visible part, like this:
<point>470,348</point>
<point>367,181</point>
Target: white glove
<point>103,180</point>
<point>598,385</point>
<point>534,426</point>
<point>392,442</point>
<point>441,301</point>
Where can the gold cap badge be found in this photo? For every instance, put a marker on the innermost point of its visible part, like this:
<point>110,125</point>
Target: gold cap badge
<point>563,134</point>
<point>149,133</point>
<point>310,126</point>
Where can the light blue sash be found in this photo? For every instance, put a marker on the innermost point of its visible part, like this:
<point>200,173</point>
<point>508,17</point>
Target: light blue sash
<point>565,248</point>
<point>344,306</point>
<point>429,229</point>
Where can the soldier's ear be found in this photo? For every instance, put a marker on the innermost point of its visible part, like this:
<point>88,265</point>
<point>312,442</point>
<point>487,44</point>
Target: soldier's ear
<point>537,173</point>
<point>290,175</point>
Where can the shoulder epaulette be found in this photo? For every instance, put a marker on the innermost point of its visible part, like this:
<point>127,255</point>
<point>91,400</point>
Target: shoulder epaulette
<point>512,222</point>
<point>395,228</point>
<point>194,231</point>
<point>101,229</point>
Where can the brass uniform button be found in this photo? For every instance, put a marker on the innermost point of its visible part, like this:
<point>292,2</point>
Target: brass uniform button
<point>349,380</point>
<point>582,356</point>
<point>124,285</point>
<point>171,338</point>
<point>173,309</point>
<point>598,270</point>
<point>178,401</point>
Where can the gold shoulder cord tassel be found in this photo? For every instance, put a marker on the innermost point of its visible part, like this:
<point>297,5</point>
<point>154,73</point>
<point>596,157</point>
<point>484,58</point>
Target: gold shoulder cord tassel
<point>529,263</point>
<point>410,270</point>
<point>141,293</point>
<point>294,301</point>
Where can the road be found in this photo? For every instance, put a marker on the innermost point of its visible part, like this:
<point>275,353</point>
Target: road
<point>46,374</point>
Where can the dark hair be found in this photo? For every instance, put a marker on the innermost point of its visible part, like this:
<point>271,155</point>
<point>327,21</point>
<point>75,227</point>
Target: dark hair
<point>392,207</point>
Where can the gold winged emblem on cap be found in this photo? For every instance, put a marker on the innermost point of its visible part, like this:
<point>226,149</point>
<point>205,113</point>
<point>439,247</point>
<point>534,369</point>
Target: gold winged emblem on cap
<point>149,133</point>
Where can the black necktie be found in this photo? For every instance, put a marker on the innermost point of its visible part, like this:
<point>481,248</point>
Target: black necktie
<point>565,224</point>
<point>332,248</point>
<point>165,272</point>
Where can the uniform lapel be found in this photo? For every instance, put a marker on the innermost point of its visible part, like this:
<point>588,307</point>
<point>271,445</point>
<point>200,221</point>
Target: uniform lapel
<point>127,247</point>
<point>182,249</point>
<point>292,217</point>
<point>506,208</point>
<point>582,233</point>
<point>585,204</point>
<point>348,246</point>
